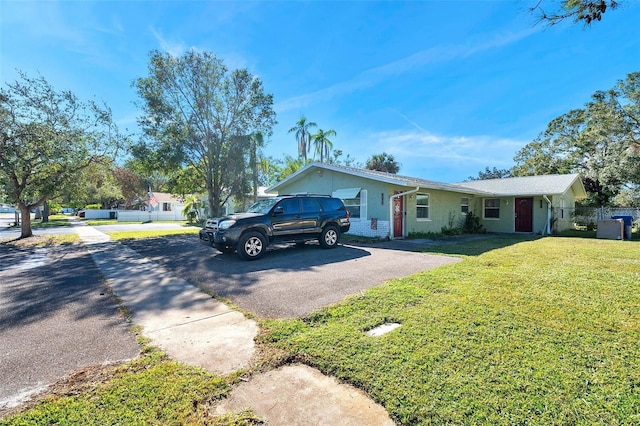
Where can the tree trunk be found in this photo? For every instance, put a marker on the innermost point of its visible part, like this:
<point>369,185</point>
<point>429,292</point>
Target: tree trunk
<point>45,213</point>
<point>25,221</point>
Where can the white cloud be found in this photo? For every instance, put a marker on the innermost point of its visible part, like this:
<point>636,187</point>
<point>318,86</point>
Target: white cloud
<point>174,49</point>
<point>373,76</point>
<point>421,145</point>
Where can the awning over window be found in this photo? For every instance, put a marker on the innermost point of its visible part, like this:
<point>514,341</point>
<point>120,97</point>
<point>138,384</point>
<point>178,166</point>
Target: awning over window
<point>347,194</point>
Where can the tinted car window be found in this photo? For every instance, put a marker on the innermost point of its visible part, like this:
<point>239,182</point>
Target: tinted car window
<point>310,205</point>
<point>331,204</point>
<point>290,205</point>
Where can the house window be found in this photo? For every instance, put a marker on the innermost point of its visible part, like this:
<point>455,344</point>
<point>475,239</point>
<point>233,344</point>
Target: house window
<point>422,206</point>
<point>464,205</point>
<point>166,207</point>
<point>562,207</point>
<point>355,200</point>
<point>353,205</point>
<point>492,208</point>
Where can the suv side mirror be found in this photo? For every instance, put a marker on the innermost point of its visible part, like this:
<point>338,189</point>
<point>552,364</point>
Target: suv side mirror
<point>278,210</point>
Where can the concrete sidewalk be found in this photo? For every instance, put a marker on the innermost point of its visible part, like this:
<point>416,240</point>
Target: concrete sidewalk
<point>186,323</point>
<point>196,329</point>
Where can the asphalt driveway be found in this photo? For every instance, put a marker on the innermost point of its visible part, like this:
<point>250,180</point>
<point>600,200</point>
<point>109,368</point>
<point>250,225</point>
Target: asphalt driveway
<point>289,281</point>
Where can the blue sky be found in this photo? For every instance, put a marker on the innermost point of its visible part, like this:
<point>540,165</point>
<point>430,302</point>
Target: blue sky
<point>447,87</point>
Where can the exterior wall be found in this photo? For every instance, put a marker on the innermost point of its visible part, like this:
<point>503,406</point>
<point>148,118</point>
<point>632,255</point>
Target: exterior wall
<point>505,223</point>
<point>100,214</point>
<point>444,206</point>
<point>562,218</point>
<point>563,211</point>
<point>364,228</point>
<point>441,203</point>
<point>444,211</point>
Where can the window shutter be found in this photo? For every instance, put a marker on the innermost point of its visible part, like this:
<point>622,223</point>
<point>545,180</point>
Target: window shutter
<point>363,204</point>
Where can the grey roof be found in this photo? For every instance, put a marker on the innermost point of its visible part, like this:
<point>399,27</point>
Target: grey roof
<point>529,185</point>
<point>526,185</point>
<point>378,176</point>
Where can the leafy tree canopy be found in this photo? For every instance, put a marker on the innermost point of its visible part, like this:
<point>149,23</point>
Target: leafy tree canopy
<point>198,113</point>
<point>47,137</point>
<point>494,173</point>
<point>585,11</point>
<point>600,141</point>
<point>383,163</point>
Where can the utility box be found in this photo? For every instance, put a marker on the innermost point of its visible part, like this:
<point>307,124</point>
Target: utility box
<point>611,229</point>
<point>628,225</point>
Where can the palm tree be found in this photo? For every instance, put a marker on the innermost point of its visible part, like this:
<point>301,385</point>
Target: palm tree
<point>383,163</point>
<point>193,208</point>
<point>303,136</point>
<point>323,144</point>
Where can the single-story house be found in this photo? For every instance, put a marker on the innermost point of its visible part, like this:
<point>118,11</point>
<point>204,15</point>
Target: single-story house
<point>155,206</point>
<point>387,205</point>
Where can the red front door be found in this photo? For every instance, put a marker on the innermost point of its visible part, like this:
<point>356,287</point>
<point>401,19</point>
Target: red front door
<point>524,214</point>
<point>397,216</point>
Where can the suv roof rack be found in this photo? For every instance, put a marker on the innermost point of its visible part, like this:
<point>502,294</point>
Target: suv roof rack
<point>304,194</point>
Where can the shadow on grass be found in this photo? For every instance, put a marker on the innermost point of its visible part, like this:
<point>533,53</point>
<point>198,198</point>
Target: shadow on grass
<point>476,245</point>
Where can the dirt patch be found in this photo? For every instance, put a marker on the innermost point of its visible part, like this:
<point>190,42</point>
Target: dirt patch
<point>36,241</point>
<point>80,381</point>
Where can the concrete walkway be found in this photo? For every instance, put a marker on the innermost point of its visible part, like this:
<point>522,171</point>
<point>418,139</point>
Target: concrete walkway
<point>186,323</point>
<point>196,329</point>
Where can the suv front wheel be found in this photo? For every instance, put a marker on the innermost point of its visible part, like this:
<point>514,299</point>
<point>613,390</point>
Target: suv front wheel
<point>252,245</point>
<point>329,237</point>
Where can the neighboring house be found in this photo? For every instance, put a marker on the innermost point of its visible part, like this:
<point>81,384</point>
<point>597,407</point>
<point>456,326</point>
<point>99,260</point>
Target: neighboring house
<point>388,205</point>
<point>162,206</point>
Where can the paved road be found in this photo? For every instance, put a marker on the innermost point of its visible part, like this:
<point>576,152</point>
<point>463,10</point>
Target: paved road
<point>9,233</point>
<point>289,281</point>
<point>55,318</point>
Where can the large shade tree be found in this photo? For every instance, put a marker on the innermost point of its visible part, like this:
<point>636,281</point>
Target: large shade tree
<point>600,141</point>
<point>198,113</point>
<point>47,138</point>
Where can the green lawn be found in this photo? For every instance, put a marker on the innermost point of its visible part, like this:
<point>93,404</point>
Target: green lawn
<point>545,331</point>
<point>129,235</point>
<point>522,331</point>
<point>54,220</point>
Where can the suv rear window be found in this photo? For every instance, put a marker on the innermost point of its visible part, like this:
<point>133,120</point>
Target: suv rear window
<point>331,204</point>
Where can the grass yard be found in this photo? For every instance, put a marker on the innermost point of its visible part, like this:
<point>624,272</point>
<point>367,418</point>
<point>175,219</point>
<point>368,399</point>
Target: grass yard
<point>545,331</point>
<point>129,235</point>
<point>524,331</point>
<point>54,220</point>
<point>149,390</point>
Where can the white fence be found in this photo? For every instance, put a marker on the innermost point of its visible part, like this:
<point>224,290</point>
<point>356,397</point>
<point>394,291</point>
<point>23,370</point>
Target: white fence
<point>591,215</point>
<point>144,216</point>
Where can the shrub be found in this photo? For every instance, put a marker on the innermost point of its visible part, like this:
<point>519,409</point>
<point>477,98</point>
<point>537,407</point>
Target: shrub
<point>54,208</point>
<point>472,224</point>
<point>93,207</point>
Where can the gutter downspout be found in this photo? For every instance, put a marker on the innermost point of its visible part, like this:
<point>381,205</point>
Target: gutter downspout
<point>547,228</point>
<point>402,194</point>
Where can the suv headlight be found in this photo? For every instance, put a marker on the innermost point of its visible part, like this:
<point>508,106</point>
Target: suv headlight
<point>226,224</point>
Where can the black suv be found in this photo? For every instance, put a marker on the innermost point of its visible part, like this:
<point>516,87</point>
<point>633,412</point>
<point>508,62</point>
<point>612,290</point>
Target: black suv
<point>286,218</point>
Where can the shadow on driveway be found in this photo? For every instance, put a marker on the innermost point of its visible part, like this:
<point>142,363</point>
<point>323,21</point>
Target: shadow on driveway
<point>289,281</point>
<point>56,316</point>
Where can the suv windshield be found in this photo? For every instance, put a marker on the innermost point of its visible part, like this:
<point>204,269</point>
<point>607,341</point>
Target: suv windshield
<point>263,206</point>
